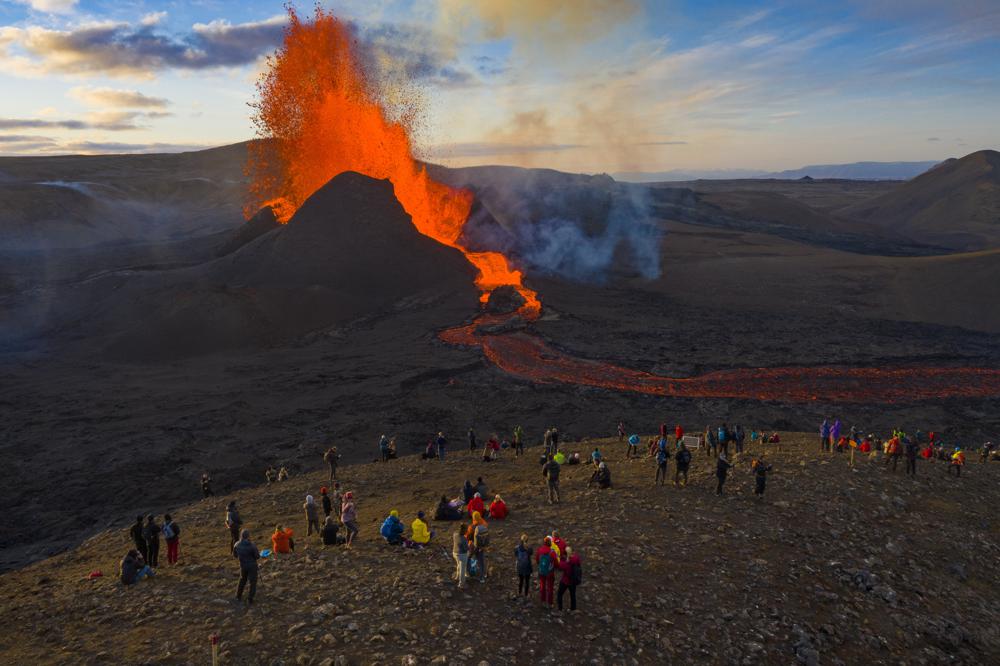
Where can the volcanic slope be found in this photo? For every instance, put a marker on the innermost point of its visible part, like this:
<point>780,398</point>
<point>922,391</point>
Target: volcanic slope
<point>834,565</point>
<point>350,251</point>
<point>954,205</point>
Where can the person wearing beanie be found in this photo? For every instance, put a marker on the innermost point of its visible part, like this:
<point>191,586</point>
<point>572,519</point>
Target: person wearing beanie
<point>327,505</point>
<point>392,529</point>
<point>421,533</point>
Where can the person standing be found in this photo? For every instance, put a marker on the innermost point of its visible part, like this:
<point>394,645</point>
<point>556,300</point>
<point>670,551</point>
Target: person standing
<point>206,485</point>
<point>518,440</point>
<point>678,435</point>
<point>546,560</point>
<point>621,431</point>
<point>349,517</point>
<point>383,448</point>
<point>683,462</point>
<point>172,535</point>
<point>910,450</point>
<point>572,575</point>
<point>442,444</point>
<point>332,459</point>
<point>327,504</point>
<point>151,533</point>
<point>824,435</point>
<point>234,523</point>
<point>472,440</point>
<point>460,553</point>
<point>662,458</point>
<point>721,470</point>
<point>138,538</point>
<point>633,447</point>
<point>724,440</point>
<point>247,554</point>
<point>740,437</point>
<point>555,440</point>
<point>834,433</point>
<point>760,470</point>
<point>480,543</point>
<point>550,471</point>
<point>522,562</point>
<point>957,462</point>
<point>312,516</point>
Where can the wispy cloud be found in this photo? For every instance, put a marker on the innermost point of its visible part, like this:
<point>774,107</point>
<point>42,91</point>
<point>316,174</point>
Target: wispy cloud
<point>112,97</point>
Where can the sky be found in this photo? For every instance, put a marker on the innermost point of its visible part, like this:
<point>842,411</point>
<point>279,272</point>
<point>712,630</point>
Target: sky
<point>578,85</point>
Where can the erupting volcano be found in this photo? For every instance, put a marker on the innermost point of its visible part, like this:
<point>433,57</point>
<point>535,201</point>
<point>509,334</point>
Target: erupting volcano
<point>322,112</point>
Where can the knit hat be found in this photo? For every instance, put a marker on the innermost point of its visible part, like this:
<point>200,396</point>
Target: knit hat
<point>322,490</point>
<point>394,513</point>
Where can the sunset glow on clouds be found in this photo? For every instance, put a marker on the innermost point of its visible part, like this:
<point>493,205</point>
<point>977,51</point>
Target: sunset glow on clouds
<point>590,85</point>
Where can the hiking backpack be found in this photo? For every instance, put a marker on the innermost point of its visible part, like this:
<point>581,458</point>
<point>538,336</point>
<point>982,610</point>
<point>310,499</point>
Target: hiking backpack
<point>481,537</point>
<point>576,574</point>
<point>545,564</point>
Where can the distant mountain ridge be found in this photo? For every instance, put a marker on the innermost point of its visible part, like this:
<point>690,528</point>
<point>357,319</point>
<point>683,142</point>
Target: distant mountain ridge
<point>852,171</point>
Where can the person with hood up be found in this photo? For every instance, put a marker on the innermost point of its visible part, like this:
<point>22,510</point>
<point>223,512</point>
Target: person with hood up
<point>421,533</point>
<point>498,508</point>
<point>133,568</point>
<point>282,542</point>
<point>721,470</point>
<point>247,554</point>
<point>329,533</point>
<point>151,533</point>
<point>683,462</point>
<point>475,505</point>
<point>957,461</point>
<point>172,535</point>
<point>137,537</point>
<point>572,575</point>
<point>824,435</point>
<point>546,564</point>
<point>349,517</point>
<point>327,504</point>
<point>312,515</point>
<point>522,564</point>
<point>234,523</point>
<point>602,477</point>
<point>446,510</point>
<point>392,529</point>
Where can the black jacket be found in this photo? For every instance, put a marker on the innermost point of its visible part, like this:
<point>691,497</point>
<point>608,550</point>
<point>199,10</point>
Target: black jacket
<point>327,505</point>
<point>136,534</point>
<point>721,467</point>
<point>151,532</point>
<point>330,534</point>
<point>247,553</point>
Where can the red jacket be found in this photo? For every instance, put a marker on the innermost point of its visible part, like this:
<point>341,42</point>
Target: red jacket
<point>545,550</point>
<point>566,566</point>
<point>498,510</point>
<point>679,432</point>
<point>561,545</point>
<point>476,504</point>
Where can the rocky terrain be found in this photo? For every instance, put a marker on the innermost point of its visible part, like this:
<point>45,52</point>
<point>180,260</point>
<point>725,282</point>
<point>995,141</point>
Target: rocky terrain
<point>834,566</point>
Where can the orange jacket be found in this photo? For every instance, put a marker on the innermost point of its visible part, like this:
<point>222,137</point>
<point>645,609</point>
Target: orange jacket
<point>281,541</point>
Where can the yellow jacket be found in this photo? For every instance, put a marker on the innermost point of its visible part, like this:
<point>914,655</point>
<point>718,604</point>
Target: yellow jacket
<point>420,532</point>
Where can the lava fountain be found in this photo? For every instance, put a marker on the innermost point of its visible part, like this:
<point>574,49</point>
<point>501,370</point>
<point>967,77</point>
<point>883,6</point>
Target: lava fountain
<point>320,113</point>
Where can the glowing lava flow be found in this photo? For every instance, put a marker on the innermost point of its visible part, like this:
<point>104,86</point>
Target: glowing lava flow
<point>529,357</point>
<point>323,114</point>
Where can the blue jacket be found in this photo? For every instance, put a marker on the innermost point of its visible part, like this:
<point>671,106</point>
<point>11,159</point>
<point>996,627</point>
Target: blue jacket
<point>392,529</point>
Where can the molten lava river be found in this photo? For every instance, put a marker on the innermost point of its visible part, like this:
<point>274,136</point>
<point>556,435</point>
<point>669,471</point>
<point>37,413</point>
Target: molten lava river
<point>323,109</point>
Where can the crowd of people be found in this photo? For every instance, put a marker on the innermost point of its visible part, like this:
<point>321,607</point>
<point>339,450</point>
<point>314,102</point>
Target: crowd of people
<point>552,556</point>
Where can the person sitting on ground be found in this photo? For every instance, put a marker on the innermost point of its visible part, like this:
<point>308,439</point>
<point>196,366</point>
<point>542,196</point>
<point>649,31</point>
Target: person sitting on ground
<point>574,459</point>
<point>957,461</point>
<point>430,452</point>
<point>468,491</point>
<point>602,477</point>
<point>498,508</point>
<point>330,529</point>
<point>475,504</point>
<point>271,474</point>
<point>133,568</point>
<point>392,529</point>
<point>421,533</point>
<point>283,473</point>
<point>774,439</point>
<point>446,510</point>
<point>282,542</point>
<point>481,487</point>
